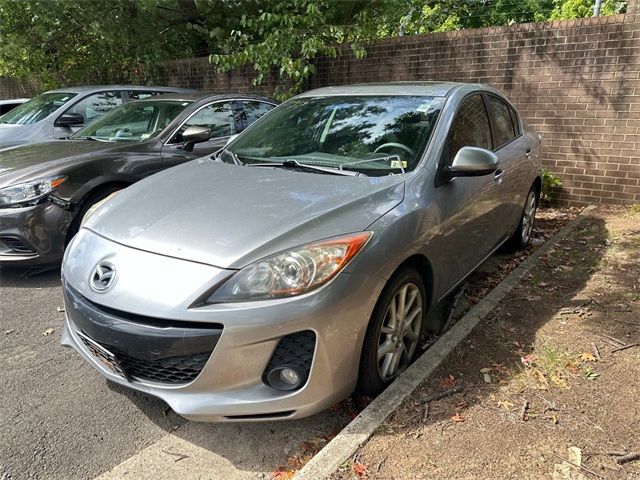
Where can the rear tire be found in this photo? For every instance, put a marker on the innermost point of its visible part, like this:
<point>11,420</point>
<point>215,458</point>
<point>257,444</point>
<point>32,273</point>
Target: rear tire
<point>521,237</point>
<point>393,336</point>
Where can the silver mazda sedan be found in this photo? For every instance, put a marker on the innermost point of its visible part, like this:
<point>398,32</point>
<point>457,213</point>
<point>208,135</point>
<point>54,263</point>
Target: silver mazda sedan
<point>299,263</point>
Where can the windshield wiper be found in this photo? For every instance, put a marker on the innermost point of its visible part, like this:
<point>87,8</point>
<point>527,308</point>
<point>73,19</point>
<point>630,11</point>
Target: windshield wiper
<point>294,164</point>
<point>384,159</point>
<point>233,156</point>
<point>90,137</point>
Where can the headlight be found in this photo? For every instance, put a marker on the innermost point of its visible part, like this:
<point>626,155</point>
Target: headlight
<point>29,191</point>
<point>291,272</point>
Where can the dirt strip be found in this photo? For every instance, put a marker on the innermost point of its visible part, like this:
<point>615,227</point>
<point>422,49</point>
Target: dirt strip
<point>546,386</point>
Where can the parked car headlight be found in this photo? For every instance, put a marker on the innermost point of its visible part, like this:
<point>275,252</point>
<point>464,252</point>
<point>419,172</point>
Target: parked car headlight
<point>29,191</point>
<point>291,272</point>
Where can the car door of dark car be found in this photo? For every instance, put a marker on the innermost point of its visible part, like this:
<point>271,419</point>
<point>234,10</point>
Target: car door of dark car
<point>221,117</point>
<point>469,206</point>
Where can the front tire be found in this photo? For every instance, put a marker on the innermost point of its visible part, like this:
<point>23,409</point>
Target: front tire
<point>521,237</point>
<point>393,335</point>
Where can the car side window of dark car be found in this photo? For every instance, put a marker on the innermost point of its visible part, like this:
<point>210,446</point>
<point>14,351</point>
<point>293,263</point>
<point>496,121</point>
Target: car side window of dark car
<point>96,105</point>
<point>502,121</point>
<point>219,117</point>
<point>252,110</point>
<point>470,128</point>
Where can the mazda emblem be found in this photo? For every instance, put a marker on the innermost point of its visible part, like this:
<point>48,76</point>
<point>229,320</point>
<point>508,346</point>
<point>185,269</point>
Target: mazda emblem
<point>102,277</point>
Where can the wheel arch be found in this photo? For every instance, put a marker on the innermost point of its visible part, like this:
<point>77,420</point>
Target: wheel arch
<point>537,184</point>
<point>100,183</point>
<point>424,267</point>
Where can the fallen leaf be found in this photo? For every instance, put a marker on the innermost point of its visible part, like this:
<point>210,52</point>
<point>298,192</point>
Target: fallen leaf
<point>528,360</point>
<point>282,474</point>
<point>588,357</point>
<point>506,404</point>
<point>559,381</point>
<point>485,370</point>
<point>450,381</point>
<point>457,418</point>
<point>48,331</point>
<point>360,469</point>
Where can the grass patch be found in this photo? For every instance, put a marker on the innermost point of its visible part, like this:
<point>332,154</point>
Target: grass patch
<point>633,210</point>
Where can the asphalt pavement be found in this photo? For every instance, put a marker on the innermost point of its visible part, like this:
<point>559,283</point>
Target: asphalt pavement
<point>59,419</point>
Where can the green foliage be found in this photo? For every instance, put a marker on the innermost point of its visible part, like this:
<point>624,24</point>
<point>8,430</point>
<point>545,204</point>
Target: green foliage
<point>58,42</point>
<point>568,9</point>
<point>550,183</point>
<point>65,42</point>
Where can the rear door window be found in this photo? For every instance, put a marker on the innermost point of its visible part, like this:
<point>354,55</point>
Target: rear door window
<point>96,105</point>
<point>140,95</point>
<point>252,110</point>
<point>502,121</point>
<point>470,127</point>
<point>219,117</point>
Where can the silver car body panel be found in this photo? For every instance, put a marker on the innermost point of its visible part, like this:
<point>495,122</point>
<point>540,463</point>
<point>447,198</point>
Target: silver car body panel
<point>175,236</point>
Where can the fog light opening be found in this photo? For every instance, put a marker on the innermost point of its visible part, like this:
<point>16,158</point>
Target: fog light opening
<point>286,377</point>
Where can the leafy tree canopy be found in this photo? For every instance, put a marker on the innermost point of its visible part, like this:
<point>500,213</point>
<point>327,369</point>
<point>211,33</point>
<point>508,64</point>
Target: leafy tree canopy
<point>67,41</point>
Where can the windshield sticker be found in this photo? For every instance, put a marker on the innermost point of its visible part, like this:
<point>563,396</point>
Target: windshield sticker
<point>425,107</point>
<point>399,164</point>
<point>144,136</point>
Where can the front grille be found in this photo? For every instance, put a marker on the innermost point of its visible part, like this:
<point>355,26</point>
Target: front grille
<point>171,370</point>
<point>295,349</point>
<point>158,350</point>
<point>16,245</point>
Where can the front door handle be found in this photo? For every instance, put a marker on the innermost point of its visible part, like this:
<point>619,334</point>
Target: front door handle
<point>499,174</point>
<point>527,153</point>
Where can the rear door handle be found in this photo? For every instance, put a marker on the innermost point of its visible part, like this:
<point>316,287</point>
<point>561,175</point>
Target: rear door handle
<point>499,174</point>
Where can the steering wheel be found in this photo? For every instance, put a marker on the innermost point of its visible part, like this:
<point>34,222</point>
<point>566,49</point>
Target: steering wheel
<point>394,145</point>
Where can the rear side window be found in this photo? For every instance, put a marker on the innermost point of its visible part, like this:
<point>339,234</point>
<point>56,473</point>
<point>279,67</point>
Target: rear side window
<point>138,95</point>
<point>96,105</point>
<point>252,111</point>
<point>470,127</point>
<point>502,120</point>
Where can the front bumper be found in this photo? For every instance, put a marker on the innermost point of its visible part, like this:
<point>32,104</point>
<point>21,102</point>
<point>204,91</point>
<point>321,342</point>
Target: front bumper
<point>230,386</point>
<point>33,235</point>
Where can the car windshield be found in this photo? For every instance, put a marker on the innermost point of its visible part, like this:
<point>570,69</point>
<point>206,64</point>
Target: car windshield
<point>373,135</point>
<point>133,122</point>
<point>37,108</point>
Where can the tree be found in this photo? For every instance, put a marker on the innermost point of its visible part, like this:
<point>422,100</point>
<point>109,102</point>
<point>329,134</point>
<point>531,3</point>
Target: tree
<point>62,42</point>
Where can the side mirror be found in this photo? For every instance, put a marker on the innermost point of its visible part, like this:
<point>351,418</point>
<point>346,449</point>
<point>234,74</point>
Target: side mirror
<point>70,120</point>
<point>193,135</point>
<point>472,162</point>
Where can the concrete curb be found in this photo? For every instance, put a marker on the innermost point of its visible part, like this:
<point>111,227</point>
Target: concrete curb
<point>354,435</point>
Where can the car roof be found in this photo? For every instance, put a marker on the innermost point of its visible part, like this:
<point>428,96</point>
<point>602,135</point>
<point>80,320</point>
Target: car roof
<point>433,89</point>
<point>100,88</point>
<point>196,96</point>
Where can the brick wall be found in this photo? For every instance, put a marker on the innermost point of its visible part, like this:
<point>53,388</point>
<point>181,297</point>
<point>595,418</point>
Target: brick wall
<point>12,88</point>
<point>577,82</point>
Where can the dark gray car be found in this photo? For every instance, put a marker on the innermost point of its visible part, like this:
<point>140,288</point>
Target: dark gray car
<point>59,113</point>
<point>46,188</point>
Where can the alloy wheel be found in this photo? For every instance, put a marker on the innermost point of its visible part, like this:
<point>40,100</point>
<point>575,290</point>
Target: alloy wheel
<point>528,217</point>
<point>400,331</point>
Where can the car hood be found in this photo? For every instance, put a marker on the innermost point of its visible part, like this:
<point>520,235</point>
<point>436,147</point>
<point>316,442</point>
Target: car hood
<point>28,162</point>
<point>229,215</point>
